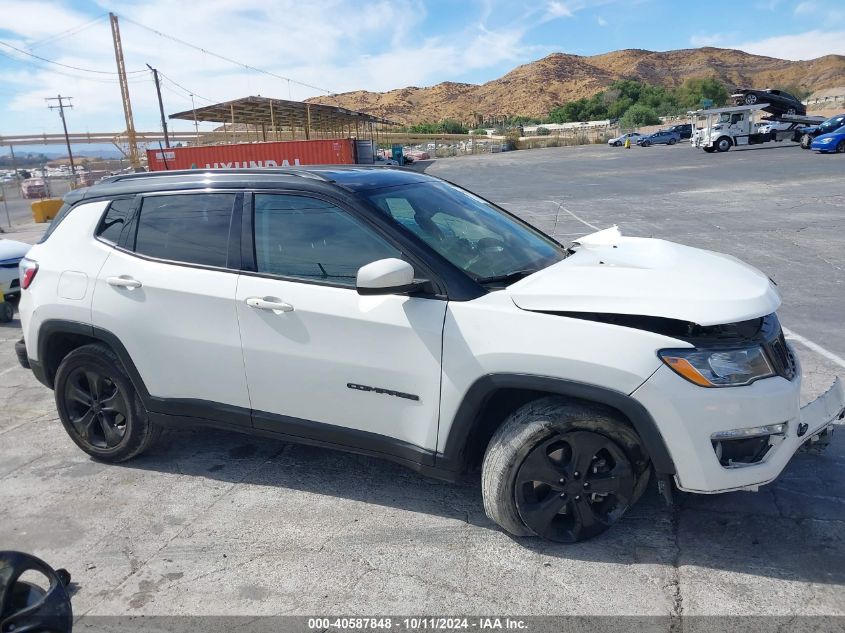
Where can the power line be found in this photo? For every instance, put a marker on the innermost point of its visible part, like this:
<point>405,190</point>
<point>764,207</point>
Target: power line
<point>181,87</point>
<point>103,80</point>
<point>225,59</point>
<point>50,61</point>
<point>67,33</point>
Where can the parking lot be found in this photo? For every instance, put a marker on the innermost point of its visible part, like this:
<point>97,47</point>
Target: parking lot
<point>212,522</point>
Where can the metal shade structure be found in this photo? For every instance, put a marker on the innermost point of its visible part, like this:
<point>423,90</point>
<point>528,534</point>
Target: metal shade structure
<point>280,119</point>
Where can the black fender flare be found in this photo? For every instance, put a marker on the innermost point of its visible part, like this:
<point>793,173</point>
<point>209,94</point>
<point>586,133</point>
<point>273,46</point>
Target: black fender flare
<point>453,457</point>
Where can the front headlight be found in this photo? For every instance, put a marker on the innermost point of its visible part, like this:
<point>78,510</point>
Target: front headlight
<point>826,140</point>
<point>719,368</point>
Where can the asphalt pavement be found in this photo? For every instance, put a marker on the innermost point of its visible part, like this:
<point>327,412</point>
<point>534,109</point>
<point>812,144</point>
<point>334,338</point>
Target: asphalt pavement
<point>210,522</point>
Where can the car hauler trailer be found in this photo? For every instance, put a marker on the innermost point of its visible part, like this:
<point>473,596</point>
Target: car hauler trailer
<point>719,129</point>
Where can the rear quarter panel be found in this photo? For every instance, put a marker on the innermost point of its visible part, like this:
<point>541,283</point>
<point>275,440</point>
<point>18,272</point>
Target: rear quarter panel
<point>68,263</point>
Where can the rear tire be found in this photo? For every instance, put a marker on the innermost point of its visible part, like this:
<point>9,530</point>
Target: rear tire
<point>563,470</point>
<point>750,99</point>
<point>671,141</point>
<point>99,407</point>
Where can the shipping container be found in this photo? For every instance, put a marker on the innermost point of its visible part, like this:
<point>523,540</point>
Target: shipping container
<point>246,155</point>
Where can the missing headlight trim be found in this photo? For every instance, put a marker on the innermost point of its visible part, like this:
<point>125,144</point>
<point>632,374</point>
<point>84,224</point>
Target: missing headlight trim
<point>764,331</point>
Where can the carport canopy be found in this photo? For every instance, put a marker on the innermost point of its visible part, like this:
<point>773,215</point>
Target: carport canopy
<point>273,114</point>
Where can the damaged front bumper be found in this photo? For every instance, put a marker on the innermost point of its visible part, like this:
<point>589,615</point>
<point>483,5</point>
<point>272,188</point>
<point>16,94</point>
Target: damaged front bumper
<point>740,438</point>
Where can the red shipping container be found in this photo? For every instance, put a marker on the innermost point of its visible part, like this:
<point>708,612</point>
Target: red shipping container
<point>245,155</point>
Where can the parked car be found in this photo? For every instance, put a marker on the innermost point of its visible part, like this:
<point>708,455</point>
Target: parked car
<point>806,134</point>
<point>11,253</point>
<point>620,140</point>
<point>661,137</point>
<point>390,313</point>
<point>830,142</point>
<point>34,188</point>
<point>684,129</point>
<point>780,102</point>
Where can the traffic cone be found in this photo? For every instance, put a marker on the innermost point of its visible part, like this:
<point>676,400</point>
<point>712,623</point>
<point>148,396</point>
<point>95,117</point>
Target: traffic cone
<point>627,143</point>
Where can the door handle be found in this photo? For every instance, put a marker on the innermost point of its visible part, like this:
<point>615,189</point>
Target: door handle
<point>269,303</point>
<point>124,281</point>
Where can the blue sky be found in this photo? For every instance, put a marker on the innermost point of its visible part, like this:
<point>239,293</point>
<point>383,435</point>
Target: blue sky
<point>342,45</point>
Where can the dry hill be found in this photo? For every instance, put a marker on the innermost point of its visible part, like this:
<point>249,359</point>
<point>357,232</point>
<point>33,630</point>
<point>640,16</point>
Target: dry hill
<point>534,88</point>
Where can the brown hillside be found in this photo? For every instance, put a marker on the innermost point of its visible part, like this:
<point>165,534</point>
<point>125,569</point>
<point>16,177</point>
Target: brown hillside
<point>535,88</point>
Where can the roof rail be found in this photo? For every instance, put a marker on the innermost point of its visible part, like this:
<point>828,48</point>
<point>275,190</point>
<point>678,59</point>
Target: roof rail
<point>267,171</point>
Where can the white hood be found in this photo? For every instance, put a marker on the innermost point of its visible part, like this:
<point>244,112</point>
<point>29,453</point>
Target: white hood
<point>612,274</point>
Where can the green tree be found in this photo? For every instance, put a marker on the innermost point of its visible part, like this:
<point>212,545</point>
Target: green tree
<point>693,90</point>
<point>638,115</point>
<point>543,131</point>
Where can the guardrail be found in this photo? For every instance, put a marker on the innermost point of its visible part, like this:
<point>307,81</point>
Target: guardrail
<point>829,100</point>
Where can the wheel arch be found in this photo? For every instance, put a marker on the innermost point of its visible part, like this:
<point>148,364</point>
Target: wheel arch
<point>57,338</point>
<point>494,396</point>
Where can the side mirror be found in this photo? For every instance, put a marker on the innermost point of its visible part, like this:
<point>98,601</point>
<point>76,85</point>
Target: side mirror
<point>386,277</point>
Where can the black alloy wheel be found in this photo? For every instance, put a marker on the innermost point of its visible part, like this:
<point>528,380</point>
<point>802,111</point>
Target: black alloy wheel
<point>573,486</point>
<point>750,99</point>
<point>97,408</point>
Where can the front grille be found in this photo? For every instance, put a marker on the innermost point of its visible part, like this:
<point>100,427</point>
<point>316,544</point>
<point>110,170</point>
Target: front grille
<point>781,357</point>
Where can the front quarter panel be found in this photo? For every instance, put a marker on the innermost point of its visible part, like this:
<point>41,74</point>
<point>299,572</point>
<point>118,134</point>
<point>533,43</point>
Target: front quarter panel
<point>490,335</point>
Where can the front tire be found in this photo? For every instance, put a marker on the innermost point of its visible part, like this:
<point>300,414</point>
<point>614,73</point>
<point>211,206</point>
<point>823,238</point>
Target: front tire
<point>840,147</point>
<point>723,144</point>
<point>99,407</point>
<point>565,471</point>
<point>671,141</point>
<point>645,143</point>
<point>806,141</point>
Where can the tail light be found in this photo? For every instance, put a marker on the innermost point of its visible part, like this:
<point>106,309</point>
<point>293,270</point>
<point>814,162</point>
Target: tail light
<point>28,269</point>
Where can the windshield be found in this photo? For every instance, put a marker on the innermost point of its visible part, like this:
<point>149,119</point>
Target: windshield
<point>477,237</point>
<point>832,125</point>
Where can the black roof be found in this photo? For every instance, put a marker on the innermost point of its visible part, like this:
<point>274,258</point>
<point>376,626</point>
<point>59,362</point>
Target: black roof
<point>348,177</point>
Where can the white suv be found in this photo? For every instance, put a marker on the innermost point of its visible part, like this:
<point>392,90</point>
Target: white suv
<point>393,314</point>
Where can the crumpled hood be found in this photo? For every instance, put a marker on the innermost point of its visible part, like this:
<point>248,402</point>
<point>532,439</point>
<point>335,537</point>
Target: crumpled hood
<point>612,274</point>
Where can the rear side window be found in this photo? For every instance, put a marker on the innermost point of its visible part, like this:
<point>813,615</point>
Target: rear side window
<point>114,220</point>
<point>190,228</point>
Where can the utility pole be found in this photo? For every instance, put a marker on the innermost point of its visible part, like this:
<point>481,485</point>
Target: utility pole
<point>160,106</point>
<point>61,108</point>
<point>134,159</point>
<point>196,125</point>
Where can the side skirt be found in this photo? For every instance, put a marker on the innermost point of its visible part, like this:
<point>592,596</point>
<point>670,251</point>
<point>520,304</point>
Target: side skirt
<point>306,432</point>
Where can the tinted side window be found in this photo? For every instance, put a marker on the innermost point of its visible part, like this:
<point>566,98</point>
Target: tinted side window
<point>191,228</point>
<point>296,236</point>
<point>114,220</point>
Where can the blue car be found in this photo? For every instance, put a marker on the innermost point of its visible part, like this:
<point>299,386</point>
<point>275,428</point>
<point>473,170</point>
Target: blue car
<point>831,142</point>
<point>665,137</point>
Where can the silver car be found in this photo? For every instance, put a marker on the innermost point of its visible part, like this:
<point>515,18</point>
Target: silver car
<point>620,140</point>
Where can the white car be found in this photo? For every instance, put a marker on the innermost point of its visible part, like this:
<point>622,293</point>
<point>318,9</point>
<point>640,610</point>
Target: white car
<point>390,313</point>
<point>620,140</point>
<point>11,253</point>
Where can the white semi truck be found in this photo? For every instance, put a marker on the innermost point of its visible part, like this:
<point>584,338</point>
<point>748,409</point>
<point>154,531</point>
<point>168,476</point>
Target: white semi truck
<point>719,129</point>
